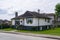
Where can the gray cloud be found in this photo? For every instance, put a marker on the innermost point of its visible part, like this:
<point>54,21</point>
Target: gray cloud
<point>33,5</point>
<point>2,11</point>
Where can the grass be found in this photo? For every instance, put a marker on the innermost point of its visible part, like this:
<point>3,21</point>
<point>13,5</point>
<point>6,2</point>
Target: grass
<point>55,31</point>
<point>8,29</point>
<point>50,32</point>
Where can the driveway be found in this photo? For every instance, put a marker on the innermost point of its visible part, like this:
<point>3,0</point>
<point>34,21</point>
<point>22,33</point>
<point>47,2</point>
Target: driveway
<point>7,36</point>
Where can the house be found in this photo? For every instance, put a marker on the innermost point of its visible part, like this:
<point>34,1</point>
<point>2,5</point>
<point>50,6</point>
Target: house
<point>7,22</point>
<point>30,20</point>
<point>1,21</point>
<point>4,22</point>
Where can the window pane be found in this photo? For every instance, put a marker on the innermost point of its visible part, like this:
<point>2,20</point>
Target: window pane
<point>29,20</point>
<point>17,23</point>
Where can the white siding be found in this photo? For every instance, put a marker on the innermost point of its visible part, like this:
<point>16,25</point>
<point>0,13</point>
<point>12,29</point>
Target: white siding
<point>13,22</point>
<point>42,22</point>
<point>35,22</point>
<point>52,18</point>
<point>21,23</point>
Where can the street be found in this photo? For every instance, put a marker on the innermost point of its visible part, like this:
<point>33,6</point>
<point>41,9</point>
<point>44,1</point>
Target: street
<point>7,36</point>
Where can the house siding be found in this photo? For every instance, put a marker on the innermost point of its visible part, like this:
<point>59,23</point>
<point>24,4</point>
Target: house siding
<point>13,22</point>
<point>21,22</point>
<point>42,22</point>
<point>52,18</point>
<point>35,22</point>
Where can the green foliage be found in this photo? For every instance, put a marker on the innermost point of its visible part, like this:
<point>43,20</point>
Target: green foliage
<point>2,26</point>
<point>57,9</point>
<point>8,29</point>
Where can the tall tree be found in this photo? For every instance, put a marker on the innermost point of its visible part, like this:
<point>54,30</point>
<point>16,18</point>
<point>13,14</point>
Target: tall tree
<point>57,12</point>
<point>57,9</point>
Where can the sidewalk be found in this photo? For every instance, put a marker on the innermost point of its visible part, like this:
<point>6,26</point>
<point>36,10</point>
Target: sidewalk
<point>31,34</point>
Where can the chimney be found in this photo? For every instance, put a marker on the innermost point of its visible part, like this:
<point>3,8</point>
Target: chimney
<point>38,10</point>
<point>16,14</point>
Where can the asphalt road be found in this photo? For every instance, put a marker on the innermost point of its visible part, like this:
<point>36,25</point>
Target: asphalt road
<point>7,36</point>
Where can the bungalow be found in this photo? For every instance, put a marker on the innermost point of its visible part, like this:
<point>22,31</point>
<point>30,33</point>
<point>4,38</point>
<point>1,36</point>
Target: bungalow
<point>30,20</point>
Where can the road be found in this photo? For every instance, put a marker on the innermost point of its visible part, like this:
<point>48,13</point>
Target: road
<point>7,36</point>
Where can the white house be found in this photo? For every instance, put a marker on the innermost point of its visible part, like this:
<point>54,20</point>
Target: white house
<point>30,20</point>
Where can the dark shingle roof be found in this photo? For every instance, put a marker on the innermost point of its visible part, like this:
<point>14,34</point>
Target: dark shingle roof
<point>29,14</point>
<point>51,14</point>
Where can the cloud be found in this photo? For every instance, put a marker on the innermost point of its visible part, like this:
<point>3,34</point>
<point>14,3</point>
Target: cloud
<point>2,11</point>
<point>10,6</point>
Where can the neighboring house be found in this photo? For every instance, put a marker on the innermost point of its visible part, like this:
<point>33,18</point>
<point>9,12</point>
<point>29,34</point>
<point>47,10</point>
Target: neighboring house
<point>1,21</point>
<point>7,22</point>
<point>4,22</point>
<point>33,19</point>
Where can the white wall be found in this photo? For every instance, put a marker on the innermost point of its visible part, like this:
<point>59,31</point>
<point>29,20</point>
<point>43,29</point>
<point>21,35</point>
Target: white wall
<point>21,23</point>
<point>42,22</point>
<point>35,22</point>
<point>52,18</point>
<point>13,22</point>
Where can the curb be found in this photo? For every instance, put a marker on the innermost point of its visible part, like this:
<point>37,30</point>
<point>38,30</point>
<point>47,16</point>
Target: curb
<point>35,35</point>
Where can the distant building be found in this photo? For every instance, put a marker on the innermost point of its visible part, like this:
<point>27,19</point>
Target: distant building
<point>5,22</point>
<point>1,21</point>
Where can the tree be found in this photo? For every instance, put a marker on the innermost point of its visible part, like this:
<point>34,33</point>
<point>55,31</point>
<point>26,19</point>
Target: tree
<point>57,13</point>
<point>57,9</point>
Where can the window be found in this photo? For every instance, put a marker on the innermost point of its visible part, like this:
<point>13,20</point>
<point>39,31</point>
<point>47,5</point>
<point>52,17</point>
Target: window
<point>29,20</point>
<point>21,21</point>
<point>17,23</point>
<point>47,20</point>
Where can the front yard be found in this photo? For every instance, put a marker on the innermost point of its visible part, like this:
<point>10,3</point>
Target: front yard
<point>50,32</point>
<point>7,29</point>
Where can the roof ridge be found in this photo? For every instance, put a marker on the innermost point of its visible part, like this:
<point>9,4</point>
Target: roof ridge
<point>32,14</point>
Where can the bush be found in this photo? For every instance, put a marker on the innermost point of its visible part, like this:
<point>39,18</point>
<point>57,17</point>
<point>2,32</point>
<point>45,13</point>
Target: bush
<point>2,26</point>
<point>13,26</point>
<point>34,28</point>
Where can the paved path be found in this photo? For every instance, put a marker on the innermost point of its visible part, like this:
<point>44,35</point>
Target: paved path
<point>7,36</point>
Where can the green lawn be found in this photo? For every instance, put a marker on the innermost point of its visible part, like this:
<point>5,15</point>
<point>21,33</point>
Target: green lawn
<point>55,31</point>
<point>50,32</point>
<point>8,29</point>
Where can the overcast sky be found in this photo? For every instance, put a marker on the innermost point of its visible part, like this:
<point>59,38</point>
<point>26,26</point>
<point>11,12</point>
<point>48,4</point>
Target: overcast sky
<point>8,7</point>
